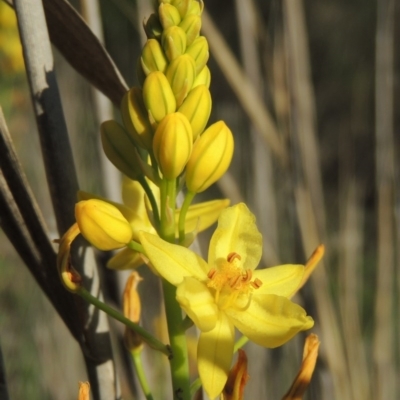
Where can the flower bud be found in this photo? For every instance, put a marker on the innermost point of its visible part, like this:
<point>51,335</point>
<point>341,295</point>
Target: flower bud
<point>180,74</point>
<point>153,27</point>
<point>135,118</point>
<point>158,97</point>
<point>153,57</point>
<point>172,144</point>
<point>199,51</point>
<point>173,41</point>
<point>169,15</point>
<point>203,78</point>
<point>196,7</point>
<point>197,108</point>
<point>182,6</point>
<point>119,149</point>
<point>210,159</point>
<point>132,310</point>
<point>191,24</point>
<point>102,224</point>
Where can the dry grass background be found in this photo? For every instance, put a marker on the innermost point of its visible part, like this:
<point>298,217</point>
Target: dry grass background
<point>310,89</point>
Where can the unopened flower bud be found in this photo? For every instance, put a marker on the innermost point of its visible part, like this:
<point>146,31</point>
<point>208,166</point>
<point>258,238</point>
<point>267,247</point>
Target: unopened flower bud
<point>182,6</point>
<point>199,51</point>
<point>158,96</point>
<point>203,78</point>
<point>153,27</point>
<point>169,15</point>
<point>102,224</point>
<point>197,108</point>
<point>180,74</point>
<point>173,41</point>
<point>172,144</point>
<point>191,24</point>
<point>153,57</point>
<point>119,149</point>
<point>135,118</point>
<point>132,310</point>
<point>211,156</point>
<point>196,7</point>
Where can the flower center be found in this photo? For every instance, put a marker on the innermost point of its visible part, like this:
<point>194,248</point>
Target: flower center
<point>232,280</point>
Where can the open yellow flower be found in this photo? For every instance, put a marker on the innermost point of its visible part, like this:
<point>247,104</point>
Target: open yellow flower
<point>228,292</point>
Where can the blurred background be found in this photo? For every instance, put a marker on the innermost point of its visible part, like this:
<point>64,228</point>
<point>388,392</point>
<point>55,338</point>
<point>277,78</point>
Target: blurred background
<point>311,90</point>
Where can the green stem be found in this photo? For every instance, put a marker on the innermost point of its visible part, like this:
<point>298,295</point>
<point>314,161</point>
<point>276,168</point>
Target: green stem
<point>179,361</point>
<point>146,336</point>
<point>168,198</point>
<point>137,362</point>
<point>136,246</point>
<point>182,215</point>
<point>240,343</point>
<point>150,195</point>
<point>195,386</point>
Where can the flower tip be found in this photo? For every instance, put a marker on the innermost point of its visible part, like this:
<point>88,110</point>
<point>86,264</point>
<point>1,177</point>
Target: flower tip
<point>84,391</point>
<point>237,379</point>
<point>303,378</point>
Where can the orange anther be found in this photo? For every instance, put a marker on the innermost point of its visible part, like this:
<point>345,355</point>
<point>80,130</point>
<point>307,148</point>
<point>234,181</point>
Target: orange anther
<point>211,273</point>
<point>232,256</point>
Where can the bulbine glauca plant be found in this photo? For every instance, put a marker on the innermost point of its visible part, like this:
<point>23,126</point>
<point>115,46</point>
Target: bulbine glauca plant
<point>168,152</point>
<point>165,146</point>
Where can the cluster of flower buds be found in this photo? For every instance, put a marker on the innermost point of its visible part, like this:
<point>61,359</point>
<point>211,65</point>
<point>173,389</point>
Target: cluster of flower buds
<point>167,115</point>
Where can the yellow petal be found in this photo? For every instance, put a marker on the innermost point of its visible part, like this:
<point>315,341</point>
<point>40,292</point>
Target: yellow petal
<point>133,195</point>
<point>173,262</point>
<point>198,303</point>
<point>201,216</point>
<point>236,232</point>
<point>214,356</point>
<point>282,280</point>
<point>270,320</point>
<point>125,259</point>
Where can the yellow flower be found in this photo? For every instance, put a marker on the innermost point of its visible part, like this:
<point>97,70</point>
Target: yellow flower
<point>228,292</point>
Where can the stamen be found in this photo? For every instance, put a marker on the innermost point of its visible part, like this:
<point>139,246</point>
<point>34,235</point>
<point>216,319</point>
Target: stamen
<point>232,256</point>
<point>257,283</point>
<point>247,276</point>
<point>211,273</point>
